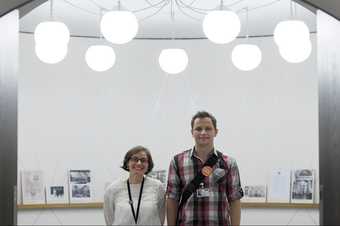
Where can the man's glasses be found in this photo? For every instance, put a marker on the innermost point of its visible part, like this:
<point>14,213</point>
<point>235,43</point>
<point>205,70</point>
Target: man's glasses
<point>136,159</point>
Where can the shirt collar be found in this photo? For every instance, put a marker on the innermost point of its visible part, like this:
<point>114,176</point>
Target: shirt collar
<point>193,151</point>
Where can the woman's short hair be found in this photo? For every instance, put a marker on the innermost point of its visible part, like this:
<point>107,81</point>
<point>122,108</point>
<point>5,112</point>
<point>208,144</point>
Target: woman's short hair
<point>136,150</point>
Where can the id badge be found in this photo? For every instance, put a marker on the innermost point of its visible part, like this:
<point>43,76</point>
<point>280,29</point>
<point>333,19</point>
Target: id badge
<point>202,191</point>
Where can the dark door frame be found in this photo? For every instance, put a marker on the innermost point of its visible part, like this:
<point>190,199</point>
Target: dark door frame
<point>330,7</point>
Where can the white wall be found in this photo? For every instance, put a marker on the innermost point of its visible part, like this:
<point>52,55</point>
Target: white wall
<point>73,118</point>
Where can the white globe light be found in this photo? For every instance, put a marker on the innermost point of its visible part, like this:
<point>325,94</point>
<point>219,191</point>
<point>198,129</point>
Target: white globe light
<point>100,57</point>
<point>51,33</point>
<point>221,26</point>
<point>246,57</point>
<point>296,53</point>
<point>173,61</point>
<point>119,27</point>
<point>291,31</point>
<point>51,54</point>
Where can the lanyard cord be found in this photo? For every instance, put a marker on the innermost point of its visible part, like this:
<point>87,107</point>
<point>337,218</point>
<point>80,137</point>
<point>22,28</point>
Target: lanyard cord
<point>135,215</point>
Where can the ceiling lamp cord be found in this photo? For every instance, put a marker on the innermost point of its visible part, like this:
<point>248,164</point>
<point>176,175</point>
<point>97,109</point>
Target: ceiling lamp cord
<point>100,57</point>
<point>246,57</point>
<point>51,39</point>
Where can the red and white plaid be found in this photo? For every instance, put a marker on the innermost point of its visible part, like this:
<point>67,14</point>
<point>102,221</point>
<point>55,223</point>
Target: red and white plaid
<point>207,211</point>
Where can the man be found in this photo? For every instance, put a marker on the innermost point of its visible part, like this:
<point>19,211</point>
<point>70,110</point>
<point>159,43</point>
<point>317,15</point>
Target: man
<point>216,201</point>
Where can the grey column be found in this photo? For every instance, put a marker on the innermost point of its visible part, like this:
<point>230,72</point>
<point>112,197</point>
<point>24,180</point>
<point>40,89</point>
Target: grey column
<point>329,117</point>
<point>9,27</point>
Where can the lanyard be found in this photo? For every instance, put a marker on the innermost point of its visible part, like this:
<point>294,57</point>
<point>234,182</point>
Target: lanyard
<point>135,215</point>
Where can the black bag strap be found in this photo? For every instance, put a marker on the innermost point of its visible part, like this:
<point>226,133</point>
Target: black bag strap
<point>194,184</point>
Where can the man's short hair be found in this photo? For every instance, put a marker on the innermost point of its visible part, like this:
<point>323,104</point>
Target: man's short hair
<point>203,114</point>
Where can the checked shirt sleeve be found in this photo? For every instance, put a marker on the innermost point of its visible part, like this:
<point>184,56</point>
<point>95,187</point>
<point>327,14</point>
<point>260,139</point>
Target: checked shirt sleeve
<point>234,188</point>
<point>173,187</point>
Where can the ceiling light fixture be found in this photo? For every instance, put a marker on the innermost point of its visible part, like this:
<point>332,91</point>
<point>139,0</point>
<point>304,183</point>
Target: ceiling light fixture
<point>100,57</point>
<point>246,57</point>
<point>221,26</point>
<point>51,40</point>
<point>51,54</point>
<point>119,26</point>
<point>297,52</point>
<point>293,40</point>
<point>173,61</point>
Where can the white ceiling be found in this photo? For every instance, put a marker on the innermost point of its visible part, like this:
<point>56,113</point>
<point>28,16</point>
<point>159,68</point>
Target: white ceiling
<point>82,16</point>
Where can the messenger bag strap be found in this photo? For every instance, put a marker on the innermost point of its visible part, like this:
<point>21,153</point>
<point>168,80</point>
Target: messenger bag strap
<point>194,183</point>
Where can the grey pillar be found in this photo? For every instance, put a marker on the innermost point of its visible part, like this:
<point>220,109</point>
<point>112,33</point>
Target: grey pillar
<point>9,40</point>
<point>329,117</point>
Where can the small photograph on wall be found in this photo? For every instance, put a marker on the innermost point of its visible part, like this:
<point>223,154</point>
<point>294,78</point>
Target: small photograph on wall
<point>33,190</point>
<point>255,193</point>
<point>303,183</point>
<point>80,186</point>
<point>159,175</point>
<point>56,194</point>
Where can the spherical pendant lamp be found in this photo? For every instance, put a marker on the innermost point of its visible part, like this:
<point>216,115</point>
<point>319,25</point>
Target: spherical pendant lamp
<point>291,31</point>
<point>221,26</point>
<point>51,41</point>
<point>100,57</point>
<point>296,53</point>
<point>50,54</point>
<point>246,57</point>
<point>119,27</point>
<point>173,61</point>
<point>51,33</point>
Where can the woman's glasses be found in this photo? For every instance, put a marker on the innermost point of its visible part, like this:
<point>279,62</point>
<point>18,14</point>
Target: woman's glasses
<point>136,159</point>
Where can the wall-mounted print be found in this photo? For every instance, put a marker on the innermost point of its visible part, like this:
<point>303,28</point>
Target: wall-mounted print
<point>255,193</point>
<point>56,194</point>
<point>279,186</point>
<point>159,175</point>
<point>80,186</point>
<point>303,183</point>
<point>33,190</point>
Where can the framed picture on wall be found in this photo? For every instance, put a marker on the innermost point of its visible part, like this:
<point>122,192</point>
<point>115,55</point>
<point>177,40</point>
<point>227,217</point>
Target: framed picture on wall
<point>303,186</point>
<point>33,188</point>
<point>80,186</point>
<point>56,194</point>
<point>255,193</point>
<point>279,186</point>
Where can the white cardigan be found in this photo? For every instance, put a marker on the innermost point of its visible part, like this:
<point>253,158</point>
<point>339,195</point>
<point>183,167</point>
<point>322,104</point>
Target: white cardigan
<point>117,210</point>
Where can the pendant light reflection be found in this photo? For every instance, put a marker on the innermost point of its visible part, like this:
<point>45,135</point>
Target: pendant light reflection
<point>51,54</point>
<point>290,31</point>
<point>100,57</point>
<point>51,41</point>
<point>293,40</point>
<point>119,27</point>
<point>221,26</point>
<point>246,57</point>
<point>173,61</point>
<point>297,52</point>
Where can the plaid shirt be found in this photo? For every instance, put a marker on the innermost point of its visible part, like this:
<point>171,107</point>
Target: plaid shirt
<point>207,211</point>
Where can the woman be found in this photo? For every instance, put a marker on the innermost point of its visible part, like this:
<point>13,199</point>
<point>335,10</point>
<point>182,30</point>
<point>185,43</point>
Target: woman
<point>137,199</point>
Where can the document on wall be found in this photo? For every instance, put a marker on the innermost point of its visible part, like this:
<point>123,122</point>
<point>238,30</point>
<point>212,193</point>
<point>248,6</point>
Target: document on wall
<point>33,190</point>
<point>254,193</point>
<point>303,186</point>
<point>80,186</point>
<point>279,186</point>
